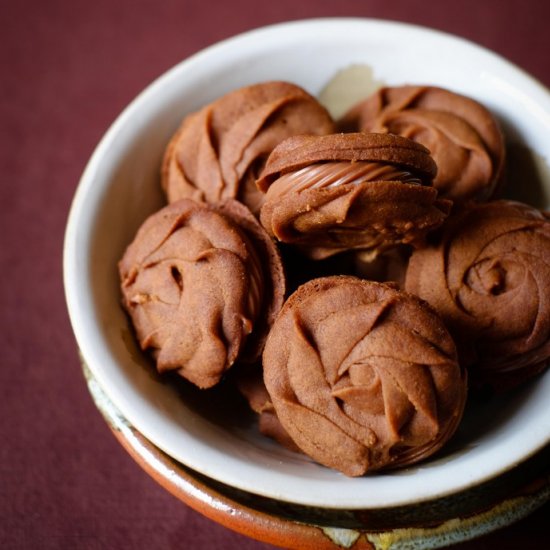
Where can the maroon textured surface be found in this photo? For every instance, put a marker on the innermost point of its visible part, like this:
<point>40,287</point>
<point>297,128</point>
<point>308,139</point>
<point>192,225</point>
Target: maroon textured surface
<point>68,70</point>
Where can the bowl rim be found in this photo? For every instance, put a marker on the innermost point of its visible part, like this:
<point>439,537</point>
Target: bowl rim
<point>465,517</point>
<point>83,325</point>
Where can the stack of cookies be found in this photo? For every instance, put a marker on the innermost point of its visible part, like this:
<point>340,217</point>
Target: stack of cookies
<point>356,279</point>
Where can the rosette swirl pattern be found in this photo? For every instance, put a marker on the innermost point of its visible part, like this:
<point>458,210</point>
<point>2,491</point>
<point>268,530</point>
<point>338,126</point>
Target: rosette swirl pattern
<point>363,376</point>
<point>202,285</point>
<point>463,137</point>
<point>327,194</point>
<point>488,275</point>
<point>218,152</point>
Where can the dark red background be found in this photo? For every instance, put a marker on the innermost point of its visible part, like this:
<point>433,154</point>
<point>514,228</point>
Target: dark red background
<point>68,68</point>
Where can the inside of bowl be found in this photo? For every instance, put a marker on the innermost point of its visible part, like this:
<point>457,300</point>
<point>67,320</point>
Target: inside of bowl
<point>121,187</point>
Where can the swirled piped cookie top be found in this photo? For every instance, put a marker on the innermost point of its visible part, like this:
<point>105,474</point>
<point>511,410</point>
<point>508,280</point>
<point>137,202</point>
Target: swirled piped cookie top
<point>201,285</point>
<point>462,135</point>
<point>218,152</point>
<point>363,376</point>
<point>487,274</point>
<point>337,192</point>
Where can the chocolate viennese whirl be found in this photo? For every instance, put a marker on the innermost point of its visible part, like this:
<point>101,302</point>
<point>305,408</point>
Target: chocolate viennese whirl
<point>463,137</point>
<point>488,274</point>
<point>363,376</point>
<point>202,285</point>
<point>250,384</point>
<point>218,152</point>
<point>337,192</point>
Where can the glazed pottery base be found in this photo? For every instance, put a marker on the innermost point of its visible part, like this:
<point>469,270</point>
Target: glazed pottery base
<point>434,524</point>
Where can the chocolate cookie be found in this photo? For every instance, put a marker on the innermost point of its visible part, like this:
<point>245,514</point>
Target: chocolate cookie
<point>218,152</point>
<point>251,385</point>
<point>488,276</point>
<point>338,192</point>
<point>363,376</point>
<point>463,137</point>
<point>202,285</point>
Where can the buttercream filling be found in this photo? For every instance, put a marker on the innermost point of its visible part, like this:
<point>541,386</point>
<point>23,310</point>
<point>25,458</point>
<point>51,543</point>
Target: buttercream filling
<point>255,282</point>
<point>323,175</point>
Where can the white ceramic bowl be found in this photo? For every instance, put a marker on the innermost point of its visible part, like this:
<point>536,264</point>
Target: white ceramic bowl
<point>119,188</point>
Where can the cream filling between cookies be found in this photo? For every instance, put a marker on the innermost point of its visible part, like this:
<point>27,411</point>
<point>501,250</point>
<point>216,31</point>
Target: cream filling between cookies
<point>323,175</point>
<point>255,282</point>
